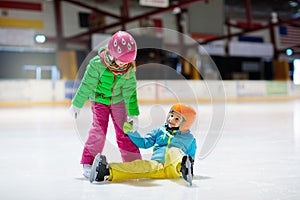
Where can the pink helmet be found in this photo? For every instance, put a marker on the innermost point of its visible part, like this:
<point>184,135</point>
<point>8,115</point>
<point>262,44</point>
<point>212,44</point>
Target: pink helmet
<point>122,47</point>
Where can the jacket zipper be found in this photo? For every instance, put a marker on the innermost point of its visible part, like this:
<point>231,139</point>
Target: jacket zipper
<point>170,136</point>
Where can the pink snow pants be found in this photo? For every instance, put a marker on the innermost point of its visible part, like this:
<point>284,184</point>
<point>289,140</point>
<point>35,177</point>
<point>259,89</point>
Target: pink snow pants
<point>97,134</point>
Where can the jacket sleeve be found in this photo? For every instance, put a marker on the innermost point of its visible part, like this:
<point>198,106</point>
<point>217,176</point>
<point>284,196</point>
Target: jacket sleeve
<point>192,149</point>
<point>130,95</point>
<point>143,142</point>
<point>88,84</point>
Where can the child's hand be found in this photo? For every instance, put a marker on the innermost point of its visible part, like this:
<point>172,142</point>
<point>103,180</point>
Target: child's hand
<point>127,127</point>
<point>74,111</point>
<point>134,121</point>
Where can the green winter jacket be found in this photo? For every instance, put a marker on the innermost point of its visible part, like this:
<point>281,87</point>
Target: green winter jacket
<point>101,85</point>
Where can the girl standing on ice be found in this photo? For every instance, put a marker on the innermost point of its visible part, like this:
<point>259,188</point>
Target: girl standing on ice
<point>110,83</point>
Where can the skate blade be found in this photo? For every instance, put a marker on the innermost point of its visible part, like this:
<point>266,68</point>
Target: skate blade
<point>189,177</point>
<point>93,169</point>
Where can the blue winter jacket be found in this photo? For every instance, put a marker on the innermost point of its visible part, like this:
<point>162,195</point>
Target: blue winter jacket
<point>161,140</point>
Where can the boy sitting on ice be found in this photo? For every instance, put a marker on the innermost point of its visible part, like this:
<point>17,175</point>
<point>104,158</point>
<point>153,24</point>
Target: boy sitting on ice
<point>174,149</point>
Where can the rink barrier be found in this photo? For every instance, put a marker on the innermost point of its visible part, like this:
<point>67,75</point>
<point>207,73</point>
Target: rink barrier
<point>47,92</point>
<point>165,101</point>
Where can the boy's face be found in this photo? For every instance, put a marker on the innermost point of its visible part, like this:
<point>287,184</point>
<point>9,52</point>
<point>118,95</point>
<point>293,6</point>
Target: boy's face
<point>174,120</point>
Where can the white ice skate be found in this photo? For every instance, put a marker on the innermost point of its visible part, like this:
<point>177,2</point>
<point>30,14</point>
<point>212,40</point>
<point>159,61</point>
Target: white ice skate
<point>86,170</point>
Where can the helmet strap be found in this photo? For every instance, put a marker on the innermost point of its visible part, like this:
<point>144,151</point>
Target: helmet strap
<point>171,129</point>
<point>109,58</point>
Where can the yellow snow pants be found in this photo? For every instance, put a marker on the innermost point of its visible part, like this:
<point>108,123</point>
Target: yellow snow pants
<point>148,168</point>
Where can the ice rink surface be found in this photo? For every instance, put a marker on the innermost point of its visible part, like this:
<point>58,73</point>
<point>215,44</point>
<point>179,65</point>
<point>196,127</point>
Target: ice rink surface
<point>256,158</point>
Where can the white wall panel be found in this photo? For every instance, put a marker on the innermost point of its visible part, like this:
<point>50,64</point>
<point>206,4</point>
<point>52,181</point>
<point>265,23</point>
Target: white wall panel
<point>16,37</point>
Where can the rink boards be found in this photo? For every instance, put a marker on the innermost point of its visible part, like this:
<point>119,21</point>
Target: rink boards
<point>19,92</point>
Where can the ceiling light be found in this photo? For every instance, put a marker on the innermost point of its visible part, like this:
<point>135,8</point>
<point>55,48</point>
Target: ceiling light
<point>289,52</point>
<point>40,38</point>
<point>293,3</point>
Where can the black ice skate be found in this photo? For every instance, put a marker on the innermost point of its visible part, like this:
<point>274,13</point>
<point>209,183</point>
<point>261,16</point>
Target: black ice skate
<point>100,170</point>
<point>187,168</point>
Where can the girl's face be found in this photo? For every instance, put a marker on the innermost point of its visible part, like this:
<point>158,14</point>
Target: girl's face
<point>174,120</point>
<point>121,64</point>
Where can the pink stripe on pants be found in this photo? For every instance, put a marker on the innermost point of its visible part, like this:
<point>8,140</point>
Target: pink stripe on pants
<point>97,134</point>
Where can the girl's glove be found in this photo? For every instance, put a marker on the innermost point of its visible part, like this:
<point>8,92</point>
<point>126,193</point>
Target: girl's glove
<point>134,121</point>
<point>74,111</point>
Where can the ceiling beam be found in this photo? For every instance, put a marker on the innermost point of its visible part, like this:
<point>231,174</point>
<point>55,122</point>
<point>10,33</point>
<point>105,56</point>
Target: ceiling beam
<point>290,21</point>
<point>180,4</point>
<point>21,5</point>
<point>93,8</point>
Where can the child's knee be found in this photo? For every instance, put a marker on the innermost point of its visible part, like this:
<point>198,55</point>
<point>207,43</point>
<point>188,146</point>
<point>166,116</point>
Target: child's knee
<point>173,156</point>
<point>174,151</point>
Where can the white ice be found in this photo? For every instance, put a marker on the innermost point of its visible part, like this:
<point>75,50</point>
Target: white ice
<point>256,157</point>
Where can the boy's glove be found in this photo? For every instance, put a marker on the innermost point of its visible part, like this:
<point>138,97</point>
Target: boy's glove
<point>127,127</point>
<point>133,120</point>
<point>74,111</point>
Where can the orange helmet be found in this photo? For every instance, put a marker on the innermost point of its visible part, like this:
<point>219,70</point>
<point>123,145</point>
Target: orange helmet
<point>188,114</point>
